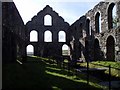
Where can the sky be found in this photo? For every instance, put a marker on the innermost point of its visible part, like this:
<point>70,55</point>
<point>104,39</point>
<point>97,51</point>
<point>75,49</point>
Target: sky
<point>70,10</point>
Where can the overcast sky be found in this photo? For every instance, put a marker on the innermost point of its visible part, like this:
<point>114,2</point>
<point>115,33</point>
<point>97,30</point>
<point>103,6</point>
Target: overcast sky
<point>70,10</point>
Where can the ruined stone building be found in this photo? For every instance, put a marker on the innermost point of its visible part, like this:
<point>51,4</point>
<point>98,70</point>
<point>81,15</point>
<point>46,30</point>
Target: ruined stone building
<point>42,47</point>
<point>93,36</point>
<point>13,33</point>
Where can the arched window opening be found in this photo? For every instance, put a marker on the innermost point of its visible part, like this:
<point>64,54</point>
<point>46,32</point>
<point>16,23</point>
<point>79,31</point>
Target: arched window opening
<point>62,36</point>
<point>30,50</point>
<point>87,49</point>
<point>112,16</point>
<point>88,27</point>
<point>96,50</point>
<point>98,23</point>
<point>47,36</point>
<point>84,34</point>
<point>48,20</point>
<point>33,36</point>
<point>65,50</point>
<point>110,46</point>
<point>81,29</point>
<point>90,31</point>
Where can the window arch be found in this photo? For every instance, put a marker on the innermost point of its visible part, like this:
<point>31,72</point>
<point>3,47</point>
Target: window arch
<point>62,36</point>
<point>96,50</point>
<point>81,29</point>
<point>98,22</point>
<point>47,36</point>
<point>111,15</point>
<point>47,20</point>
<point>33,36</point>
<point>30,50</point>
<point>114,16</point>
<point>88,26</point>
<point>110,48</point>
<point>65,50</point>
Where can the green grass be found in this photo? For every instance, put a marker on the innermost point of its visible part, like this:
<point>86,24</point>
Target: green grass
<point>65,52</point>
<point>114,72</point>
<point>38,73</point>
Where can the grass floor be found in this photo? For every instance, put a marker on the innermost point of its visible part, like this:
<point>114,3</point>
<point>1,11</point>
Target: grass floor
<point>38,73</point>
<point>115,66</point>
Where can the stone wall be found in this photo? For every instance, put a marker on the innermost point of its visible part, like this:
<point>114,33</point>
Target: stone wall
<point>13,33</point>
<point>86,39</point>
<point>37,23</point>
<point>0,44</point>
<point>94,41</point>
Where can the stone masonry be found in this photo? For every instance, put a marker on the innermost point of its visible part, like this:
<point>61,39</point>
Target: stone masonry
<point>89,41</point>
<point>43,48</point>
<point>92,37</point>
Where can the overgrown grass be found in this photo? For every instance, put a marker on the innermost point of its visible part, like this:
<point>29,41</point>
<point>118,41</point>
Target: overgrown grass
<point>38,73</point>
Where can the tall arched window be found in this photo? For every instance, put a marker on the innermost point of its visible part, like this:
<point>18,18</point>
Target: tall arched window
<point>62,36</point>
<point>110,47</point>
<point>111,13</point>
<point>88,26</point>
<point>30,50</point>
<point>48,20</point>
<point>96,50</point>
<point>114,16</point>
<point>65,50</point>
<point>33,36</point>
<point>47,36</point>
<point>81,29</point>
<point>98,22</point>
<point>114,11</point>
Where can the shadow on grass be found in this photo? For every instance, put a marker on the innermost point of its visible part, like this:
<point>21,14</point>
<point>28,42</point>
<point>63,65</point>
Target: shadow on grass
<point>34,75</point>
